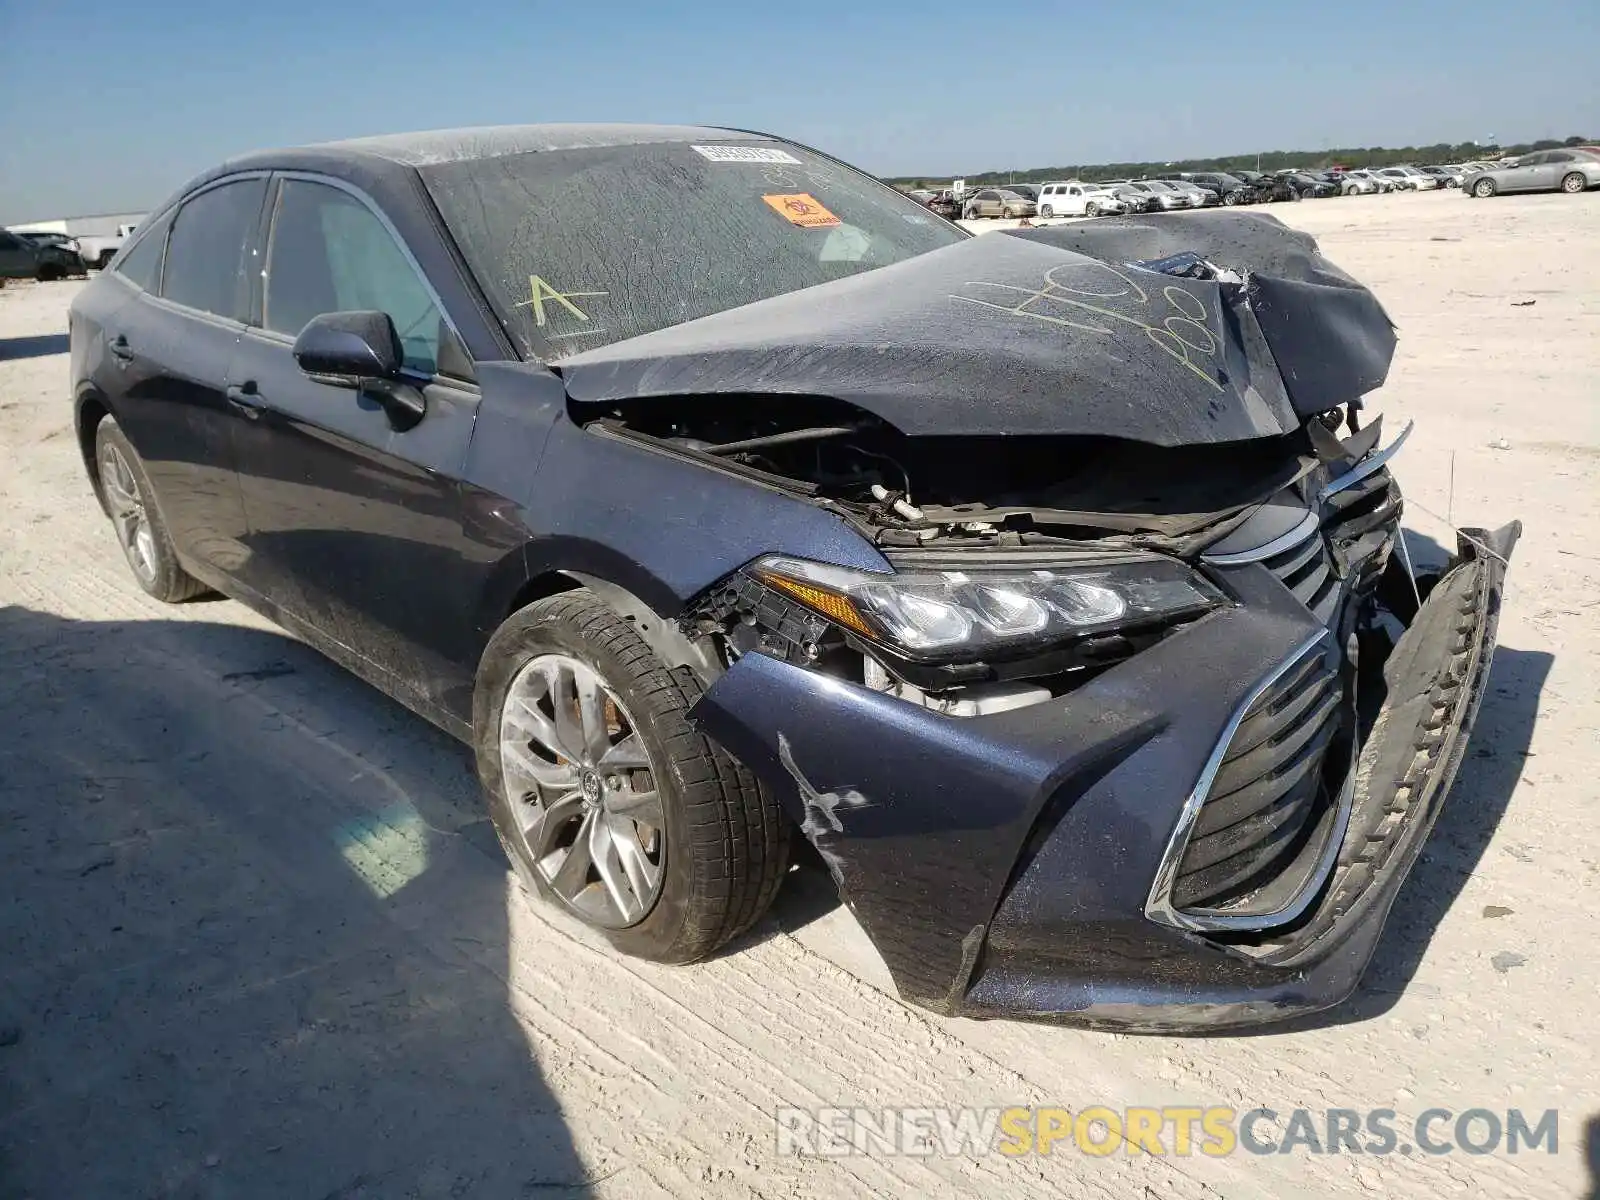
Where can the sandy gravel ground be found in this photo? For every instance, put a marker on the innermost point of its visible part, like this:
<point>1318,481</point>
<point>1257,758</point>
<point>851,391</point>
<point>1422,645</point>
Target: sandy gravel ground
<point>256,939</point>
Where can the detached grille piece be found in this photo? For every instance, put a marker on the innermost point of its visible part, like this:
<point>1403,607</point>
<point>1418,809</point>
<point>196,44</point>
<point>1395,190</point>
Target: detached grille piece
<point>1362,522</point>
<point>1269,794</point>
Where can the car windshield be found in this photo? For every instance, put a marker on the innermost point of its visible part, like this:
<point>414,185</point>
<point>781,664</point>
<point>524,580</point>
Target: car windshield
<point>581,248</point>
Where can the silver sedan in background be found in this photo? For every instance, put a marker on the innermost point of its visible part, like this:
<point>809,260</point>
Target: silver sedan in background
<point>1571,170</point>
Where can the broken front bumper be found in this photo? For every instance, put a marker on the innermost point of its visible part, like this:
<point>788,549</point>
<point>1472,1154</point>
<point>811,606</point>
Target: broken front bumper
<point>1013,865</point>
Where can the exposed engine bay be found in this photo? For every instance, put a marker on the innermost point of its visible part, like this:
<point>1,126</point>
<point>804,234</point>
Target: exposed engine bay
<point>1166,383</point>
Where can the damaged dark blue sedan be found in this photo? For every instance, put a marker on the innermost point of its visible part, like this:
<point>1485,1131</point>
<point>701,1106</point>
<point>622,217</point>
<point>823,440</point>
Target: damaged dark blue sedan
<point>1049,582</point>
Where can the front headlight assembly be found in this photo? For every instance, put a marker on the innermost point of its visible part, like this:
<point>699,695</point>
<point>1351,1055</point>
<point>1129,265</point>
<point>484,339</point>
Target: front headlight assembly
<point>960,613</point>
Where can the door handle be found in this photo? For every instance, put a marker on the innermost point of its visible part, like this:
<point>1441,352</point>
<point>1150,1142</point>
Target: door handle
<point>120,350</point>
<point>245,398</point>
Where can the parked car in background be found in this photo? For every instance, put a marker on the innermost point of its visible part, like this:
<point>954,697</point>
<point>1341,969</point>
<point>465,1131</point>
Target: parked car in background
<point>1069,198</point>
<point>1572,171</point>
<point>946,204</point>
<point>921,195</point>
<point>1309,186</point>
<point>1029,191</point>
<point>997,202</point>
<point>1269,187</point>
<point>1448,177</point>
<point>1105,195</point>
<point>23,257</point>
<point>1042,631</point>
<point>1380,182</point>
<point>99,249</point>
<point>1199,197</point>
<point>1229,189</point>
<point>64,240</point>
<point>1352,183</point>
<point>1409,179</point>
<point>1158,195</point>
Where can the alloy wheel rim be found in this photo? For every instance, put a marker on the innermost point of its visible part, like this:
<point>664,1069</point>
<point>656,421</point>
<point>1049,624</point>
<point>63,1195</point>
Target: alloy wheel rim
<point>128,515</point>
<point>582,788</point>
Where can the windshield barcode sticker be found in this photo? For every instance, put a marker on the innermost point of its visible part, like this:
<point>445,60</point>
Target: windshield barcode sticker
<point>745,154</point>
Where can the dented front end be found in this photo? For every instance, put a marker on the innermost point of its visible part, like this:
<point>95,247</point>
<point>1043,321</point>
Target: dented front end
<point>1139,712</point>
<point>1206,833</point>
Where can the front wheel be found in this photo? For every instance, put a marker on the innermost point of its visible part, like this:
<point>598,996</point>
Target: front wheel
<point>1573,183</point>
<point>130,502</point>
<point>1230,198</point>
<point>1483,189</point>
<point>1047,211</point>
<point>607,800</point>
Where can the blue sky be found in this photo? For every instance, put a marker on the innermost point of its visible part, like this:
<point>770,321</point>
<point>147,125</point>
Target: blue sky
<point>111,106</point>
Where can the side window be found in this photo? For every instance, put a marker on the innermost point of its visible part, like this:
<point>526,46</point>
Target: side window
<point>330,253</point>
<point>141,265</point>
<point>10,241</point>
<point>205,253</point>
<point>1557,156</point>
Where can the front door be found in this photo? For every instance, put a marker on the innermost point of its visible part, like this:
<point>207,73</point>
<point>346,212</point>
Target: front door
<point>355,524</point>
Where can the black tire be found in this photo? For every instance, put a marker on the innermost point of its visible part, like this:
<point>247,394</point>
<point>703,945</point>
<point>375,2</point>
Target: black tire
<point>1047,212</point>
<point>1231,198</point>
<point>1091,209</point>
<point>1483,189</point>
<point>163,578</point>
<point>50,272</point>
<point>727,840</point>
<point>104,260</point>
<point>1573,183</point>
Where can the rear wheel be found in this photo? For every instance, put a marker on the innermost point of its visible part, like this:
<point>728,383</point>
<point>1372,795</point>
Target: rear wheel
<point>1483,189</point>
<point>130,501</point>
<point>1573,183</point>
<point>608,802</point>
<point>1091,209</point>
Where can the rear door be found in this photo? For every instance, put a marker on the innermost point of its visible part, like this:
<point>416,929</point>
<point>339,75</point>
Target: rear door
<point>166,370</point>
<point>355,526</point>
<point>1557,163</point>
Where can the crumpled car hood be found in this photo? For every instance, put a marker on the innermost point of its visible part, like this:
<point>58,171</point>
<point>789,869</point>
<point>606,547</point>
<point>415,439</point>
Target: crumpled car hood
<point>1054,331</point>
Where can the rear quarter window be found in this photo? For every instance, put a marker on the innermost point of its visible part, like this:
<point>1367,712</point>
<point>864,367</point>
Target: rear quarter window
<point>141,265</point>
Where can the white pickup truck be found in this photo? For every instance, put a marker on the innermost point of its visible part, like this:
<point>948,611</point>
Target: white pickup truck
<point>99,251</point>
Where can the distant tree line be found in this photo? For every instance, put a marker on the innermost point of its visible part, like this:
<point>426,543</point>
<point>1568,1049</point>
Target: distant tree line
<point>1272,160</point>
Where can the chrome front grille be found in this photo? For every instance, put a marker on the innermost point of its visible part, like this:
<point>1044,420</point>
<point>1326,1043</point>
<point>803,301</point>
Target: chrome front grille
<point>1349,540</point>
<point>1260,830</point>
<point>1307,571</point>
<point>1266,794</point>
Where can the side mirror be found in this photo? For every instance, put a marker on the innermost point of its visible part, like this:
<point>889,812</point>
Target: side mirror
<point>361,350</point>
<point>345,348</point>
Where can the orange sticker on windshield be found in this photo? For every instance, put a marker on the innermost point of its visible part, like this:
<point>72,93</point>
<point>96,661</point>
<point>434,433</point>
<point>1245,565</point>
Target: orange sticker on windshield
<point>802,209</point>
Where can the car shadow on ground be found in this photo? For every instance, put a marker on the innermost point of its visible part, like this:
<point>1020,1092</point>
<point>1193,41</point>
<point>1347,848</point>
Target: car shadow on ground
<point>42,346</point>
<point>254,931</point>
<point>1591,1156</point>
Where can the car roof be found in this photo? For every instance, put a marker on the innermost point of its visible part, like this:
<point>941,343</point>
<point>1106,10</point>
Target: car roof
<point>432,146</point>
<point>385,162</point>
